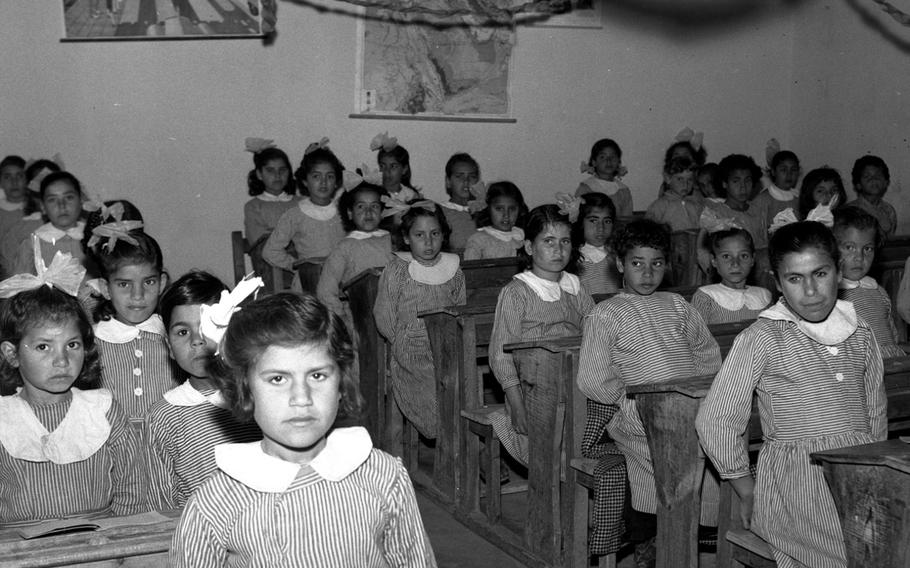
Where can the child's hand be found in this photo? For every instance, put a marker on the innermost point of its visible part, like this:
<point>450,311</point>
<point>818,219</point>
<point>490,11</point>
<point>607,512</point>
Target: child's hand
<point>745,511</point>
<point>517,409</point>
<point>745,489</point>
<point>704,260</point>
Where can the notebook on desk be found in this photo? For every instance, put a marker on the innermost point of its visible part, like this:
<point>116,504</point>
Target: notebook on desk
<point>79,524</point>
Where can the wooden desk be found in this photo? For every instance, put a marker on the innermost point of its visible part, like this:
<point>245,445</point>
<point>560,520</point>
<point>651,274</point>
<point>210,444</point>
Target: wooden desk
<point>137,546</point>
<point>871,487</point>
<point>489,272</point>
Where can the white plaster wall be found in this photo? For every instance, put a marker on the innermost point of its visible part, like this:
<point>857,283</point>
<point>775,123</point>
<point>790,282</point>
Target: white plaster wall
<point>162,123</point>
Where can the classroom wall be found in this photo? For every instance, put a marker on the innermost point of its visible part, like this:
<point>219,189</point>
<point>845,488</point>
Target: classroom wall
<point>162,123</point>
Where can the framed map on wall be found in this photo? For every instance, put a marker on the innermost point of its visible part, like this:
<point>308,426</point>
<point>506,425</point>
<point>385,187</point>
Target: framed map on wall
<point>431,70</point>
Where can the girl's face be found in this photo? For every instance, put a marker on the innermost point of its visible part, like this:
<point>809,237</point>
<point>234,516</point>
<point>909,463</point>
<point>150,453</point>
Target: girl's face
<point>808,280</point>
<point>550,251</point>
<point>738,186</point>
<point>190,349</point>
<point>392,172</point>
<point>682,183</point>
<point>503,213</point>
<point>823,192</point>
<point>425,239</point>
<point>366,211</point>
<point>12,181</point>
<point>857,251</point>
<point>458,185</point>
<point>321,183</point>
<point>786,174</point>
<point>606,163</point>
<point>296,391</point>
<point>62,204</point>
<point>872,182</point>
<point>705,184</point>
<point>598,226</point>
<point>133,289</point>
<point>274,176</point>
<point>642,270</point>
<point>733,260</point>
<point>49,358</point>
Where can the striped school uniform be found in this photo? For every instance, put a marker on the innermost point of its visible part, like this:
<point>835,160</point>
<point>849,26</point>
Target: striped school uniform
<point>487,242</point>
<point>873,304</point>
<point>135,363</point>
<point>718,303</point>
<point>407,287</point>
<point>66,459</point>
<point>634,340</point>
<point>352,505</point>
<point>180,432</point>
<point>530,308</point>
<point>819,387</point>
<point>597,270</point>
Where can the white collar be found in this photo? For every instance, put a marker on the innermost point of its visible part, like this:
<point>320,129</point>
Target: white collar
<point>836,328</point>
<point>406,194</point>
<point>318,212</point>
<point>115,331</point>
<point>7,205</point>
<point>51,234</point>
<point>454,206</point>
<point>866,282</point>
<point>283,197</point>
<point>360,235</point>
<point>733,299</point>
<point>186,395</point>
<point>547,290</point>
<point>516,234</point>
<point>782,194</point>
<point>346,449</point>
<point>605,186</point>
<point>592,253</point>
<point>440,273</point>
<point>79,435</point>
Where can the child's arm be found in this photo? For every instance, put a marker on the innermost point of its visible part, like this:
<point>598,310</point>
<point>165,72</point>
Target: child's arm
<point>406,543</point>
<point>507,329</point>
<point>386,299</point>
<point>903,294</point>
<point>705,351</point>
<point>472,248</point>
<point>876,398</point>
<point>598,378</point>
<point>158,465</point>
<point>24,262</point>
<point>195,544</point>
<point>128,493</point>
<point>328,290</point>
<point>254,226</point>
<point>701,303</point>
<point>274,251</point>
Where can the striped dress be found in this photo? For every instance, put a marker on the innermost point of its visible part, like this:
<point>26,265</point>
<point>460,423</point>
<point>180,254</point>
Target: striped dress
<point>635,340</point>
<point>524,315</point>
<point>819,387</point>
<point>597,270</point>
<point>347,508</point>
<point>105,482</point>
<point>180,433</point>
<point>718,303</point>
<point>135,364</point>
<point>399,299</point>
<point>874,306</point>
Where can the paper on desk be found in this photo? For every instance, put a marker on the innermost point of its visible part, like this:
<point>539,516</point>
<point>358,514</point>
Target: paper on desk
<point>62,526</point>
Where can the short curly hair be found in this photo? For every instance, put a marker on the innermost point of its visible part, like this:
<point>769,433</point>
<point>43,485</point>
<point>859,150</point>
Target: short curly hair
<point>41,306</point>
<point>643,233</point>
<point>285,319</point>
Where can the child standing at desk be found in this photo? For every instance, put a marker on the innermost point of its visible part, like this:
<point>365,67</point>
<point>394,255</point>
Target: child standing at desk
<point>642,336</point>
<point>816,370</point>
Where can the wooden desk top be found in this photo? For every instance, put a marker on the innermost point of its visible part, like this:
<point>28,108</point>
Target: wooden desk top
<point>890,453</point>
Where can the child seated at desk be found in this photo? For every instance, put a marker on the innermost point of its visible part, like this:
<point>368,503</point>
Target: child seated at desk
<point>816,371</point>
<point>500,233</point>
<point>643,336</point>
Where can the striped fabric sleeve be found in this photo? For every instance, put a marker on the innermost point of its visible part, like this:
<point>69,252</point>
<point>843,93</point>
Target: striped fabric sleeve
<point>705,351</point>
<point>903,294</point>
<point>876,398</point>
<point>724,414</point>
<point>127,479</point>
<point>597,377</point>
<point>386,301</point>
<point>158,466</point>
<point>196,543</point>
<point>406,541</point>
<point>702,303</point>
<point>461,288</point>
<point>506,329</point>
<point>585,302</point>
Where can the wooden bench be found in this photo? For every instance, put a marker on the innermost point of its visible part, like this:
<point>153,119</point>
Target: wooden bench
<point>871,487</point>
<point>133,546</point>
<point>274,279</point>
<point>308,272</point>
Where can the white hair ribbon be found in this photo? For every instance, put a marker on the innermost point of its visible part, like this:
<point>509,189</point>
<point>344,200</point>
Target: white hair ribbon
<point>397,207</point>
<point>65,272</point>
<point>569,205</point>
<point>323,143</point>
<point>692,137</point>
<point>712,223</point>
<point>479,191</point>
<point>256,145</point>
<point>771,149</point>
<point>214,318</point>
<point>383,141</point>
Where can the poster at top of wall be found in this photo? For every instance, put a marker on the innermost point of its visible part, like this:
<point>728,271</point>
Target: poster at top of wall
<point>161,19</point>
<point>422,68</point>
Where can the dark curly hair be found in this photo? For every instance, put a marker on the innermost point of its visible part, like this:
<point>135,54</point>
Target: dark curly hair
<point>643,233</point>
<point>539,219</point>
<point>310,160</point>
<point>411,216</point>
<point>260,159</point>
<point>41,306</point>
<point>502,189</point>
<point>401,155</point>
<point>348,198</point>
<point>287,320</point>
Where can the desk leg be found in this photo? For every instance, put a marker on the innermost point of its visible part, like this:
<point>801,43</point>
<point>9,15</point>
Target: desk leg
<point>447,351</point>
<point>678,470</point>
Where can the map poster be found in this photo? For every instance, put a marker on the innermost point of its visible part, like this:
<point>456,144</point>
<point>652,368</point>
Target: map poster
<point>422,70</point>
<point>160,19</point>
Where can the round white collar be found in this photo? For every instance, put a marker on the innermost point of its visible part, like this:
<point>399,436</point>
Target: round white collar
<point>440,273</point>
